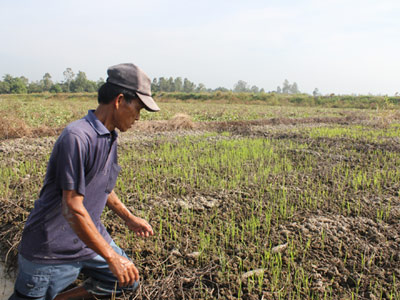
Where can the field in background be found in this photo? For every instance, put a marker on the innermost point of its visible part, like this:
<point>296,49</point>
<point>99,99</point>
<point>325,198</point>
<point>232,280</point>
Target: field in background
<point>46,114</point>
<point>249,199</point>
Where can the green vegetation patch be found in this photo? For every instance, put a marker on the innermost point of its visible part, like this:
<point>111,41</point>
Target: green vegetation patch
<point>291,213</point>
<point>357,132</point>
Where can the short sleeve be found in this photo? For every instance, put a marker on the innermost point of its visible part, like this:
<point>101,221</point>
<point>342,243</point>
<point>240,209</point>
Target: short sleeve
<point>70,163</point>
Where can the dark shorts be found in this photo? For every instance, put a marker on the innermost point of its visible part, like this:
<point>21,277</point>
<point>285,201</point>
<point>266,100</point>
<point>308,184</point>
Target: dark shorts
<point>44,281</point>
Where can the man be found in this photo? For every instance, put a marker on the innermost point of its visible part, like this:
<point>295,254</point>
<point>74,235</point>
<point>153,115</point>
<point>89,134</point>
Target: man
<point>63,235</point>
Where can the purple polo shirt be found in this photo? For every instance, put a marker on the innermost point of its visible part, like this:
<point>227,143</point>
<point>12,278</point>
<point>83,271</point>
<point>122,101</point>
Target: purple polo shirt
<point>84,159</point>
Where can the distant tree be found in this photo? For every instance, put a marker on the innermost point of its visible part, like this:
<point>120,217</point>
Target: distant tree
<point>14,85</point>
<point>99,83</point>
<point>68,77</point>
<point>24,80</point>
<point>46,82</point>
<point>163,83</point>
<point>91,86</point>
<point>178,84</point>
<point>188,86</point>
<point>201,88</point>
<point>241,86</point>
<point>8,82</point>
<point>56,88</point>
<point>8,78</point>
<point>78,83</point>
<point>35,87</point>
<point>221,89</point>
<point>262,90</point>
<point>254,89</point>
<point>4,87</point>
<point>286,87</point>
<point>171,87</point>
<point>279,90</point>
<point>82,84</point>
<point>315,92</point>
<point>294,88</point>
<point>155,87</point>
<point>18,87</point>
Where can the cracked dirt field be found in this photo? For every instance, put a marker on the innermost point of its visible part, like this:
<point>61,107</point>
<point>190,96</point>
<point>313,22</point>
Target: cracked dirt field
<point>270,209</point>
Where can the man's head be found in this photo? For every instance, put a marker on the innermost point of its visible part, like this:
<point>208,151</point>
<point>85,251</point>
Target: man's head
<point>124,105</point>
<point>125,93</point>
<point>132,79</point>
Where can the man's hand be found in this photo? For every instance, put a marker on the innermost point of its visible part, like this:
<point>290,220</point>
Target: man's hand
<point>139,226</point>
<point>136,224</point>
<point>123,269</point>
<point>81,222</point>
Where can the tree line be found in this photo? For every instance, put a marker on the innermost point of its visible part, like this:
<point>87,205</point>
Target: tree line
<point>72,83</point>
<point>78,83</point>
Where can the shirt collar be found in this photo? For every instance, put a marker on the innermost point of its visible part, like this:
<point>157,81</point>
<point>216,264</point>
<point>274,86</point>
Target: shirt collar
<point>98,126</point>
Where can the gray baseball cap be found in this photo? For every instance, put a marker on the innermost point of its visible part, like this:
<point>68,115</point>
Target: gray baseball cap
<point>133,78</point>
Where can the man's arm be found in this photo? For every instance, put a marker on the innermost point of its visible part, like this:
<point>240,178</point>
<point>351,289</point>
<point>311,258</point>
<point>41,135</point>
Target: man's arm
<point>79,219</point>
<point>136,224</point>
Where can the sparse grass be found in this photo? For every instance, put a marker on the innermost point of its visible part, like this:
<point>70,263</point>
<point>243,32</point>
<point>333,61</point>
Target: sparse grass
<point>358,132</point>
<point>313,209</point>
<point>47,114</point>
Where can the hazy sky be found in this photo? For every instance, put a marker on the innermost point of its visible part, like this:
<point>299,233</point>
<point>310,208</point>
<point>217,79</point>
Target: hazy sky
<point>338,46</point>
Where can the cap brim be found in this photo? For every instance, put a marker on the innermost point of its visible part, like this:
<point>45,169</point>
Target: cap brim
<point>148,102</point>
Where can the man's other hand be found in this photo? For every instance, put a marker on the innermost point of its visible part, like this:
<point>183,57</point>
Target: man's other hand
<point>123,269</point>
<point>140,226</point>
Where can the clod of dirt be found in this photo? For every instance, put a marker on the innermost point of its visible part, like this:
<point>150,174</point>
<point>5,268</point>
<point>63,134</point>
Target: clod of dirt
<point>184,205</point>
<point>279,248</point>
<point>175,252</point>
<point>193,255</point>
<point>197,203</point>
<point>188,279</point>
<point>256,272</point>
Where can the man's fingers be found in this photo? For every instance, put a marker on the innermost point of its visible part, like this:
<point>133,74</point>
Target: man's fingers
<point>144,233</point>
<point>136,272</point>
<point>128,277</point>
<point>142,228</point>
<point>121,279</point>
<point>141,233</point>
<point>131,275</point>
<point>149,229</point>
